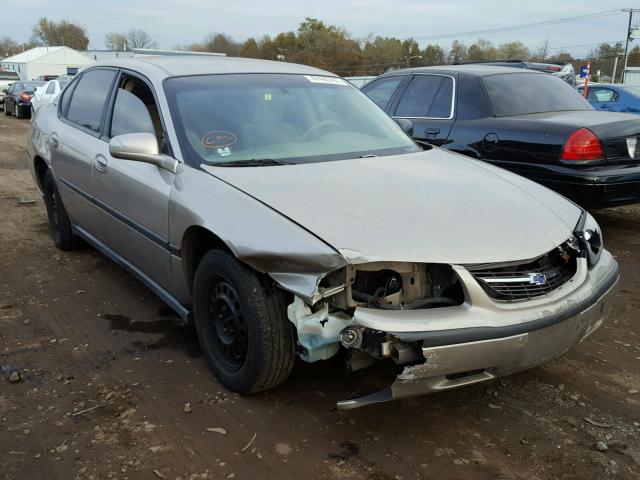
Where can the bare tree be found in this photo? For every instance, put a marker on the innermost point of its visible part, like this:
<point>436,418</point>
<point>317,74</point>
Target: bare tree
<point>116,41</point>
<point>140,39</point>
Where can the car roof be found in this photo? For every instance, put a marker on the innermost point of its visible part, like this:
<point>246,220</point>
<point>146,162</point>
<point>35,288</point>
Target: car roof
<point>477,70</point>
<point>179,65</point>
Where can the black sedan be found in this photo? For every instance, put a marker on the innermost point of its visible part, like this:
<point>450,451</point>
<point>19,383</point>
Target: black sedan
<point>17,100</point>
<point>528,122</point>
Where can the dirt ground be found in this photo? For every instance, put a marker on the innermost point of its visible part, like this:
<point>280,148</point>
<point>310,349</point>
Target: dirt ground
<point>106,370</point>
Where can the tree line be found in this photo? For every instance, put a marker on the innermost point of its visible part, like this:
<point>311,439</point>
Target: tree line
<point>328,47</point>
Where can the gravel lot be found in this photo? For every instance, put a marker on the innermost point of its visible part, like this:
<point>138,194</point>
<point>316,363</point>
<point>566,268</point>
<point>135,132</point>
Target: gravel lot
<point>103,371</point>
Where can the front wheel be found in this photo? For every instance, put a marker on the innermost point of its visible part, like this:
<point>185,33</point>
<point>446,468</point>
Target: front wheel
<point>59,223</point>
<point>242,324</point>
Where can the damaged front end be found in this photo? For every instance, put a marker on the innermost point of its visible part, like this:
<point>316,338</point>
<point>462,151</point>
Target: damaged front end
<point>445,326</point>
<point>333,321</point>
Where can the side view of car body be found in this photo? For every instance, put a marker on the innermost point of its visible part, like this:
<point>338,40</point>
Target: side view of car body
<point>17,100</point>
<point>47,92</point>
<point>284,214</point>
<point>528,122</point>
<point>613,98</point>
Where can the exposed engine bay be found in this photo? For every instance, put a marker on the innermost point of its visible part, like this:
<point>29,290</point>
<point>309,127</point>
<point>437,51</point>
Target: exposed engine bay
<point>379,285</point>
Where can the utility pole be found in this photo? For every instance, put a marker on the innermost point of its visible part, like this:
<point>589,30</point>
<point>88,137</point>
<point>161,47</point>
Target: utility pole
<point>626,45</point>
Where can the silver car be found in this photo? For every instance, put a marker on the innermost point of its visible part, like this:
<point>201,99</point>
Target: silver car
<point>283,213</point>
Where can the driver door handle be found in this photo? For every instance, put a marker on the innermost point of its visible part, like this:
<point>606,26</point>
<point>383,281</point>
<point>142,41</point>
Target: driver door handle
<point>101,163</point>
<point>432,131</point>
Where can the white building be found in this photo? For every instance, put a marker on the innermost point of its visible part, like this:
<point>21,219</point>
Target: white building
<point>632,76</point>
<point>46,61</point>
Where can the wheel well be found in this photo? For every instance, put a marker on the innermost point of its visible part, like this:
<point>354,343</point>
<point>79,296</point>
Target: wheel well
<point>40,167</point>
<point>196,242</point>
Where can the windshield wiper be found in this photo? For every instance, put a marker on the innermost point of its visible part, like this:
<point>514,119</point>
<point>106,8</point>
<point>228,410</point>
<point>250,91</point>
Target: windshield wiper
<point>254,162</point>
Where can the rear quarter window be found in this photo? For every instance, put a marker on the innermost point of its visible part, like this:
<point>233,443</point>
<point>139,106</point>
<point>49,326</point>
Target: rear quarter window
<point>524,93</point>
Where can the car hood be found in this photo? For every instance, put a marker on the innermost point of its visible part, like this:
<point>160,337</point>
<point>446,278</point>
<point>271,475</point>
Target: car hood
<point>433,206</point>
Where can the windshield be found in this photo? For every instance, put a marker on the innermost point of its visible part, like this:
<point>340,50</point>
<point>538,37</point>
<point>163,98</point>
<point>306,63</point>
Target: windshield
<point>522,93</point>
<point>222,119</point>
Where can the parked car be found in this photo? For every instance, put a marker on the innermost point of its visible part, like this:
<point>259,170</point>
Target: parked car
<point>613,97</point>
<point>17,100</point>
<point>530,123</point>
<point>47,92</point>
<point>282,212</point>
<point>562,70</point>
<point>7,77</point>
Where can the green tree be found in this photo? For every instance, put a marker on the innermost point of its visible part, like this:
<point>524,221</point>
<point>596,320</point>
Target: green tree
<point>51,33</point>
<point>513,51</point>
<point>458,52</point>
<point>381,53</point>
<point>412,53</point>
<point>433,55</point>
<point>250,49</point>
<point>482,50</point>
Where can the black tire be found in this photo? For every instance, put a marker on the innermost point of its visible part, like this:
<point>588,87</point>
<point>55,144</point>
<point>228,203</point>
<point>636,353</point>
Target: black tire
<point>6,110</point>
<point>20,113</point>
<point>242,325</point>
<point>59,222</point>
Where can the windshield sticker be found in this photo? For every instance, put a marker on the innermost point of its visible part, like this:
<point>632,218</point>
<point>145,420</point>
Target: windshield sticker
<point>223,152</point>
<point>268,97</point>
<point>326,80</point>
<point>219,139</point>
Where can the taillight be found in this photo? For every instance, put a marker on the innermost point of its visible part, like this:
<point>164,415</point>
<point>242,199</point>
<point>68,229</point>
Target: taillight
<point>553,68</point>
<point>24,96</point>
<point>582,145</point>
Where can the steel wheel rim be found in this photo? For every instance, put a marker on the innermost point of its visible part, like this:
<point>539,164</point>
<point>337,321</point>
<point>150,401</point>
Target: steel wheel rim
<point>226,326</point>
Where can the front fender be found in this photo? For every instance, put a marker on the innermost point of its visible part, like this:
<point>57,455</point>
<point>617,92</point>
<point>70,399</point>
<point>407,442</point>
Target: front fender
<point>257,235</point>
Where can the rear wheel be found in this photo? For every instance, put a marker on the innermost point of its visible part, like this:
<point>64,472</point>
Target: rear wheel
<point>6,109</point>
<point>242,325</point>
<point>59,222</point>
<point>20,113</point>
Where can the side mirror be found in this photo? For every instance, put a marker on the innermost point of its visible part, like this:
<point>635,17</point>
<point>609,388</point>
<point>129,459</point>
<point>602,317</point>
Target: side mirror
<point>5,90</point>
<point>406,125</point>
<point>141,147</point>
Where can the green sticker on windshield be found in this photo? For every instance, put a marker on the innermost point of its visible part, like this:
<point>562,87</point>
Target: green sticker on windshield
<point>268,97</point>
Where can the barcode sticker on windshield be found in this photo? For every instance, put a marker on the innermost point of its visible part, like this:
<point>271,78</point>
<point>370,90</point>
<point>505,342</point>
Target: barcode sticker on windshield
<point>327,80</point>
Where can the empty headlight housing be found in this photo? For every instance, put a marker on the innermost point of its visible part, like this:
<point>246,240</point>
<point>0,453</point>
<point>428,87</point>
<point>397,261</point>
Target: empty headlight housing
<point>590,237</point>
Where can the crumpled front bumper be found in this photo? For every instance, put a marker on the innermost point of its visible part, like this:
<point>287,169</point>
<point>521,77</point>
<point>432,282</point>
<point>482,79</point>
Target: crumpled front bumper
<point>513,337</point>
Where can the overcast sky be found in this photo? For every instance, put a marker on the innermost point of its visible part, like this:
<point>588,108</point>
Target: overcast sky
<point>180,22</point>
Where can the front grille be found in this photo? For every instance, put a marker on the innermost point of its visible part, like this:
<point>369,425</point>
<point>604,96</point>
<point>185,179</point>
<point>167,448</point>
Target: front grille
<point>527,280</point>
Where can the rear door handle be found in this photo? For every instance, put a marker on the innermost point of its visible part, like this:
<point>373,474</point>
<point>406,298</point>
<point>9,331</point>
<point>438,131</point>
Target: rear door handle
<point>432,131</point>
<point>101,163</point>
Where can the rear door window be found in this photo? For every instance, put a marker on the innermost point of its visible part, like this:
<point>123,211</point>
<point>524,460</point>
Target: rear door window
<point>596,94</point>
<point>89,98</point>
<point>428,96</point>
<point>381,91</point>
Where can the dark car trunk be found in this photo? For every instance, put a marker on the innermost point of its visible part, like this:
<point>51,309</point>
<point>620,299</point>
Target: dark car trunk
<point>613,129</point>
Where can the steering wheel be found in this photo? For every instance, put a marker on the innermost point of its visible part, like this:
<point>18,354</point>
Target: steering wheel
<point>319,126</point>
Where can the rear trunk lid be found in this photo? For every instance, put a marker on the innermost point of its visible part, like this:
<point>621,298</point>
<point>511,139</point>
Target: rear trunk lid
<point>618,132</point>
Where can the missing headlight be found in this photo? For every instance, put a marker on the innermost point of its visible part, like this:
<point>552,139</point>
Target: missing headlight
<point>404,286</point>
